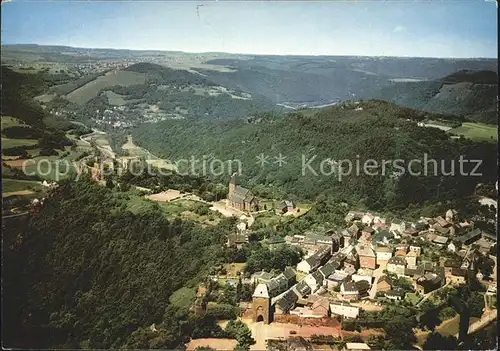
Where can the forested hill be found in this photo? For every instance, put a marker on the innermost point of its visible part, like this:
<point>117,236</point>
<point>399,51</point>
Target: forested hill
<point>471,94</point>
<point>367,130</point>
<point>86,273</point>
<point>18,91</point>
<point>25,124</point>
<point>165,75</point>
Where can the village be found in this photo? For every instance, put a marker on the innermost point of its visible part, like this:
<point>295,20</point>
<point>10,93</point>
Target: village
<point>370,263</point>
<point>363,266</point>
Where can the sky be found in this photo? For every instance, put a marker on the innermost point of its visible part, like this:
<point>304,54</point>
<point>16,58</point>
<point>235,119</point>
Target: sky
<point>437,28</point>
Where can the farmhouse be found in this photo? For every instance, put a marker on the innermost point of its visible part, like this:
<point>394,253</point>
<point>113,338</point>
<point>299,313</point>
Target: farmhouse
<point>285,206</point>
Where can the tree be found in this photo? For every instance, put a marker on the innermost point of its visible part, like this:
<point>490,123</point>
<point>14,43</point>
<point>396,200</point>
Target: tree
<point>476,304</point>
<point>485,265</point>
<point>447,313</point>
<point>436,341</point>
<point>239,331</point>
<point>376,342</point>
<point>109,182</point>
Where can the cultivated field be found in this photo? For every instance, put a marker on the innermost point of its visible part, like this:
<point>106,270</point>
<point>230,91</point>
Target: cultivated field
<point>476,131</point>
<point>12,186</point>
<point>165,196</point>
<point>47,167</point>
<point>10,122</point>
<point>117,99</point>
<point>92,89</point>
<point>8,143</point>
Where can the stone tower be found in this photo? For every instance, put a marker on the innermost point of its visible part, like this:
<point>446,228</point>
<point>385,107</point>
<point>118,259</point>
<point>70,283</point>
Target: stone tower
<point>232,183</point>
<point>261,305</point>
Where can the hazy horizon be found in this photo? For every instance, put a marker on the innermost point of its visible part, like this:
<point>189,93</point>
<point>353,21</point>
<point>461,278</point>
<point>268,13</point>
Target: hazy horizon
<point>446,29</point>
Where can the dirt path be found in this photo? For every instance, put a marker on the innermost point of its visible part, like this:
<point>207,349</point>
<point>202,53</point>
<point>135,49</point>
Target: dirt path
<point>488,317</point>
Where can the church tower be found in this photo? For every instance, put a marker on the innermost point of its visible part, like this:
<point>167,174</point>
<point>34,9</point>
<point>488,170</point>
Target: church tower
<point>232,183</point>
<point>261,304</point>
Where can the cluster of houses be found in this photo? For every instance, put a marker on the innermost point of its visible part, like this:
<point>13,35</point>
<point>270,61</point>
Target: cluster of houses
<point>342,263</point>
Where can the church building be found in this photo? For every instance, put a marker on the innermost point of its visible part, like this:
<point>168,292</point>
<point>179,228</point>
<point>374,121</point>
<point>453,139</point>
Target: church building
<point>241,198</point>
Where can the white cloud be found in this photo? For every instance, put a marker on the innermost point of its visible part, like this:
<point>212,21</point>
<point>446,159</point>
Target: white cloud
<point>399,29</point>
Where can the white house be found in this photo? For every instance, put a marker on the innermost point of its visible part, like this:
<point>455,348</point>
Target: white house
<point>314,281</point>
<point>451,247</point>
<point>397,226</point>
<point>383,254</point>
<point>344,309</point>
<point>367,219</point>
<point>304,266</point>
<point>396,265</point>
<point>450,215</point>
<point>416,249</point>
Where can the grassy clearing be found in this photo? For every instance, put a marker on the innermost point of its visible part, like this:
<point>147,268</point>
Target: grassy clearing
<point>421,337</point>
<point>477,131</point>
<point>233,268</point>
<point>8,143</point>
<point>182,208</point>
<point>91,89</point>
<point>492,301</point>
<point>449,327</point>
<point>53,168</point>
<point>8,122</point>
<point>412,298</point>
<point>183,298</point>
<point>11,185</point>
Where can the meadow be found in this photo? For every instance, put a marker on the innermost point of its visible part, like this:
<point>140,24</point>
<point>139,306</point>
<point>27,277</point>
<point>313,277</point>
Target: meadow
<point>477,131</point>
<point>91,89</point>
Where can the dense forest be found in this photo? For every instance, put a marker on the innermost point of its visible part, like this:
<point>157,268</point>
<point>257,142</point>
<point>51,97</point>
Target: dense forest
<point>357,132</point>
<point>470,94</point>
<point>87,273</point>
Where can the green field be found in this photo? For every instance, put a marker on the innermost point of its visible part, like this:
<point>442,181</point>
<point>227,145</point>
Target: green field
<point>413,298</point>
<point>180,208</point>
<point>8,143</point>
<point>10,185</point>
<point>477,131</point>
<point>10,122</point>
<point>52,168</point>
<point>92,88</point>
